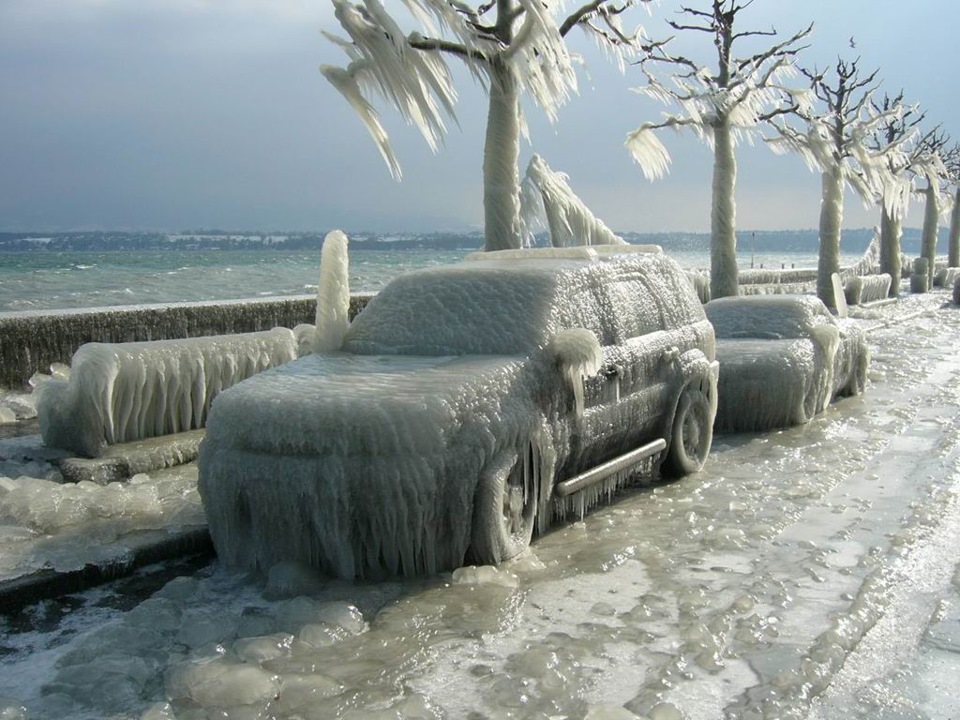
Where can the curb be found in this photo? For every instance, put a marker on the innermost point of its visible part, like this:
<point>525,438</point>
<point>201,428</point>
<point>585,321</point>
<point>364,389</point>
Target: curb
<point>146,549</point>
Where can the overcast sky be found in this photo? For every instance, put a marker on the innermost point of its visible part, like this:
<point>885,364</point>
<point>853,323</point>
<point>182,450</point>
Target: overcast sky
<point>182,114</point>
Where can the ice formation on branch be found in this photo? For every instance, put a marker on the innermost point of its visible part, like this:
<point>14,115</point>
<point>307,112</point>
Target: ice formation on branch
<point>333,294</point>
<point>119,392</point>
<point>520,49</point>
<point>546,195</point>
<point>721,109</point>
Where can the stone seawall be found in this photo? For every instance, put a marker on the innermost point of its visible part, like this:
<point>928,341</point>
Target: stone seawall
<point>31,341</point>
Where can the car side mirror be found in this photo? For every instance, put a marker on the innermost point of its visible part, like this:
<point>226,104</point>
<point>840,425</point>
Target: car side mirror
<point>577,355</point>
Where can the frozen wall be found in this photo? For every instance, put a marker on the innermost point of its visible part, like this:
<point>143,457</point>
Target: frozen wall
<point>119,392</point>
<point>32,341</point>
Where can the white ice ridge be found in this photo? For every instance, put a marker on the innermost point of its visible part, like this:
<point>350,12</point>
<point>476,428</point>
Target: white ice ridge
<point>119,392</point>
<point>333,294</point>
<point>546,195</point>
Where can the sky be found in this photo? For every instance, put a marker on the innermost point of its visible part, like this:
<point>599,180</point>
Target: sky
<point>189,114</point>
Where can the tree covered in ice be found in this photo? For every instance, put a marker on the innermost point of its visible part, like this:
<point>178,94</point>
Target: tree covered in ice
<point>932,147</point>
<point>722,106</point>
<point>952,164</point>
<point>832,138</point>
<point>512,47</point>
<point>900,128</point>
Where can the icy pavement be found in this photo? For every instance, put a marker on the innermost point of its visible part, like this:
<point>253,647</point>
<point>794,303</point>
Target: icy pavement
<point>806,573</point>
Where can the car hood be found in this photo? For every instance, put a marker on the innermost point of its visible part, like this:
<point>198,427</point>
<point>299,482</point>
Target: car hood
<point>371,405</point>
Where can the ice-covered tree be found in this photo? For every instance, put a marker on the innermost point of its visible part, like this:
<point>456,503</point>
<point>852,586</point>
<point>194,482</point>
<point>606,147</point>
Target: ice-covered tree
<point>932,147</point>
<point>832,138</point>
<point>512,47</point>
<point>722,106</point>
<point>899,128</point>
<point>952,164</point>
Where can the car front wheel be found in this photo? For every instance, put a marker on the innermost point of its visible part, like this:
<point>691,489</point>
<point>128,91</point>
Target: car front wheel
<point>505,511</point>
<point>692,434</point>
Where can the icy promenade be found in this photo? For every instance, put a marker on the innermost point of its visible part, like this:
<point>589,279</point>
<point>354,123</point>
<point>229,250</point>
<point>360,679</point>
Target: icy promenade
<point>807,573</point>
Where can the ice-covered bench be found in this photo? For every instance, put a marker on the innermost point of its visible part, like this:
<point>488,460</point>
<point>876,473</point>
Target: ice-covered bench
<point>120,392</point>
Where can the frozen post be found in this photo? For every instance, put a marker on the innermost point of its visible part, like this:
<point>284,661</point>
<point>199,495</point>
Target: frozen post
<point>333,294</point>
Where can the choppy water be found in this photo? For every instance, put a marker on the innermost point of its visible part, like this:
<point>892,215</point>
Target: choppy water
<point>53,280</point>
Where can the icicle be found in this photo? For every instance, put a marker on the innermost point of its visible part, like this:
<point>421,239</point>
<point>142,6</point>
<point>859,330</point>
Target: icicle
<point>333,294</point>
<point>649,152</point>
<point>579,356</point>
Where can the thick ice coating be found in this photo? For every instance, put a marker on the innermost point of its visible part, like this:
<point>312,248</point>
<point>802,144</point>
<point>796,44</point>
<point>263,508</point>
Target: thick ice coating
<point>783,358</point>
<point>119,392</point>
<point>453,380</point>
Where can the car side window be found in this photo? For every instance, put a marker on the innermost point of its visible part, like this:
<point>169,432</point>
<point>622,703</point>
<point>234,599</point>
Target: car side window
<point>634,309</point>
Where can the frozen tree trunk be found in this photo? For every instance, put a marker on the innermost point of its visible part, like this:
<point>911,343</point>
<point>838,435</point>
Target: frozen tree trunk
<point>723,243</point>
<point>831,218</point>
<point>890,233</point>
<point>501,158</point>
<point>954,241</point>
<point>931,218</point>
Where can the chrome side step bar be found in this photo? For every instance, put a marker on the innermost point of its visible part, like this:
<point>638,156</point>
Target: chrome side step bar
<point>611,467</point>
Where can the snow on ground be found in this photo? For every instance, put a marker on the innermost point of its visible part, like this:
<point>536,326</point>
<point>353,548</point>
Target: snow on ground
<point>805,573</point>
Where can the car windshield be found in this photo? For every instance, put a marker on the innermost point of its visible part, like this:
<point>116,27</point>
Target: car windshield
<point>477,308</point>
<point>767,316</point>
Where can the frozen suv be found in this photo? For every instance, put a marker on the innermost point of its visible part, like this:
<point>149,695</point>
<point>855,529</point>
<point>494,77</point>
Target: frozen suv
<point>469,405</point>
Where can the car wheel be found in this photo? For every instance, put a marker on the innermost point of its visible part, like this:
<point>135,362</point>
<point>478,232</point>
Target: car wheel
<point>691,436</point>
<point>505,512</point>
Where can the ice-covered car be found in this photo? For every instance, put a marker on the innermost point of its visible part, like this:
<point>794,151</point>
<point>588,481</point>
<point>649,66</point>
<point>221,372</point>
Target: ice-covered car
<point>468,405</point>
<point>783,359</point>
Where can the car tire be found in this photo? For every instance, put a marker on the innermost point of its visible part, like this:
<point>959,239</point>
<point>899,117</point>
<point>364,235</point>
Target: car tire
<point>691,435</point>
<point>505,510</point>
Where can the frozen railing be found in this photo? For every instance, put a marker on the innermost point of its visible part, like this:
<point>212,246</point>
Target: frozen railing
<point>120,392</point>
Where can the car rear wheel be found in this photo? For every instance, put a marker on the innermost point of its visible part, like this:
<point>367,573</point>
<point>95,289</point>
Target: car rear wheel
<point>505,512</point>
<point>691,436</point>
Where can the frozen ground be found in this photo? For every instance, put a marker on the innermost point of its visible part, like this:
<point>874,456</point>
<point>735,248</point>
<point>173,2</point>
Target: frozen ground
<point>808,573</point>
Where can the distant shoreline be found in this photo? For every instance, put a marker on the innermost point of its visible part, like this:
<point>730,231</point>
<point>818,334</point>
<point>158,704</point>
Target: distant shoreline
<point>749,241</point>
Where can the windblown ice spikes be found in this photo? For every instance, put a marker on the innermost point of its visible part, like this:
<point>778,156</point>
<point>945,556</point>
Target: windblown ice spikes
<point>546,195</point>
<point>651,154</point>
<point>417,84</point>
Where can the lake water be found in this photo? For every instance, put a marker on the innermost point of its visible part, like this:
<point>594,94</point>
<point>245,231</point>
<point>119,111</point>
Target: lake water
<point>53,280</point>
